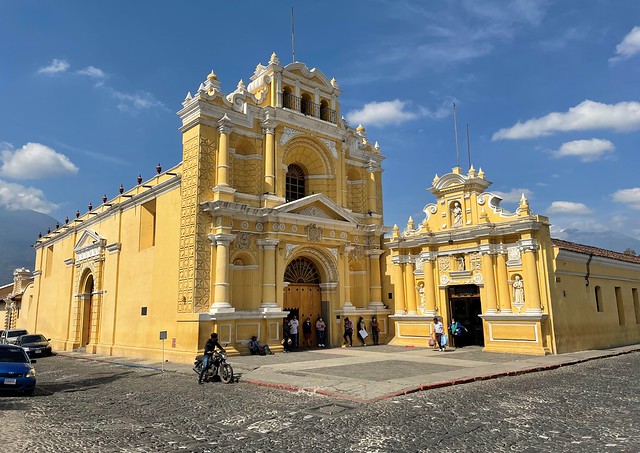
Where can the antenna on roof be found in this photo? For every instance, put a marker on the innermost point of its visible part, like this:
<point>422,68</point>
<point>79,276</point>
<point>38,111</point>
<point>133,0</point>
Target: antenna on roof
<point>293,47</point>
<point>468,147</point>
<point>455,129</point>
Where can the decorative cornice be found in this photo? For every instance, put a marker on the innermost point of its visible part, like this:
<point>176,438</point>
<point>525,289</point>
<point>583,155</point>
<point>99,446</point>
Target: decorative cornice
<point>221,238</point>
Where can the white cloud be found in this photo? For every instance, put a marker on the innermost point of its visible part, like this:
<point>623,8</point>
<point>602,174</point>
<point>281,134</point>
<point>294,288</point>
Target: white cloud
<point>94,73</point>
<point>15,197</point>
<point>561,41</point>
<point>34,161</point>
<point>134,102</point>
<point>568,207</point>
<point>630,197</point>
<point>393,112</point>
<point>623,116</point>
<point>514,195</point>
<point>55,67</point>
<point>586,150</point>
<point>629,46</point>
<point>382,113</point>
<point>436,34</point>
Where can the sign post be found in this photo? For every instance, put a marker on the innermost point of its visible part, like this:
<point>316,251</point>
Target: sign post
<point>163,336</point>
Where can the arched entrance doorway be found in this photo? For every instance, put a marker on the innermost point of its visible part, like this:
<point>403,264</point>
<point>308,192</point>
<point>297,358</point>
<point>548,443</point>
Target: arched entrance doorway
<point>465,307</point>
<point>302,296</point>
<point>87,309</point>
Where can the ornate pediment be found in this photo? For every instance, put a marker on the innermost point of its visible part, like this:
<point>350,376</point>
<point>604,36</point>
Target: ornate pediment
<point>90,245</point>
<point>317,206</point>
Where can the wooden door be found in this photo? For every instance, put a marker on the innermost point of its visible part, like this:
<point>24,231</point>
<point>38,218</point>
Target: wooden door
<point>304,302</point>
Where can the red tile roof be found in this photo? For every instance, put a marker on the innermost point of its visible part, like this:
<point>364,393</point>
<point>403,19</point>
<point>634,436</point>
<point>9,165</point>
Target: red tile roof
<point>590,250</point>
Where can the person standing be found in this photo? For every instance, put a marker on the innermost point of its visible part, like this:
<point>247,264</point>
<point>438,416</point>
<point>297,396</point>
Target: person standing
<point>293,331</point>
<point>438,330</point>
<point>348,332</point>
<point>362,331</point>
<point>285,334</point>
<point>306,331</point>
<point>321,327</point>
<point>375,329</point>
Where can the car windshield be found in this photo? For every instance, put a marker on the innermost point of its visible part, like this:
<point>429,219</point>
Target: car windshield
<point>32,338</point>
<point>16,333</point>
<point>13,355</point>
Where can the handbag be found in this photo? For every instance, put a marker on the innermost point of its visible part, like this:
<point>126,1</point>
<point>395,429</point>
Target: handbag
<point>363,333</point>
<point>432,342</point>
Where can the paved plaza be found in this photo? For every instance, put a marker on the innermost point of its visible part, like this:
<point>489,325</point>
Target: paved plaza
<point>105,404</point>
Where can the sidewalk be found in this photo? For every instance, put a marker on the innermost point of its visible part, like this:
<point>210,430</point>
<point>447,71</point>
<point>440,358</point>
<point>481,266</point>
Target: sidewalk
<point>366,374</point>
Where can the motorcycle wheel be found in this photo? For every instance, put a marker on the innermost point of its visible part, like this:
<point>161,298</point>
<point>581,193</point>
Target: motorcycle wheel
<point>226,373</point>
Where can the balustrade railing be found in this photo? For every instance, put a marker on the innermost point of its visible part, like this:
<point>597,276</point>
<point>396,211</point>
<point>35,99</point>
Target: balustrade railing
<point>309,108</point>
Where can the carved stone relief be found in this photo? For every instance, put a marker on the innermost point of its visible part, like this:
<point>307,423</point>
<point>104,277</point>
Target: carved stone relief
<point>314,233</point>
<point>444,263</point>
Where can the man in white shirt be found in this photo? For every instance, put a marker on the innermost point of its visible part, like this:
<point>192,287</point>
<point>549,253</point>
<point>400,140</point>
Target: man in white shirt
<point>293,332</point>
<point>438,329</point>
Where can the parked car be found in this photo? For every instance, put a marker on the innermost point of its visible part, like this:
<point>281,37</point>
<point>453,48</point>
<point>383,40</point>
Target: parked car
<point>34,344</point>
<point>16,370</point>
<point>11,336</point>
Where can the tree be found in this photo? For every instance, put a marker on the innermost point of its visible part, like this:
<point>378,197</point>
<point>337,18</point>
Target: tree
<point>630,251</point>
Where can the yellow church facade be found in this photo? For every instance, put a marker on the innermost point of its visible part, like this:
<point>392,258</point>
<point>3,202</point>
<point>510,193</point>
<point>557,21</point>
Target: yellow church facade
<point>513,287</point>
<point>275,210</point>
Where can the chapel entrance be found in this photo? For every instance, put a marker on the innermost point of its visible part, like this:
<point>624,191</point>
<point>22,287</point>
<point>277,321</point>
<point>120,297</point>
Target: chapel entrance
<point>303,297</point>
<point>87,309</point>
<point>465,307</point>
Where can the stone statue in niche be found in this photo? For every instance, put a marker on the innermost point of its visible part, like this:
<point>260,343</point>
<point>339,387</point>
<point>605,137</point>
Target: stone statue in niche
<point>456,211</point>
<point>422,305</point>
<point>461,263</point>
<point>518,291</point>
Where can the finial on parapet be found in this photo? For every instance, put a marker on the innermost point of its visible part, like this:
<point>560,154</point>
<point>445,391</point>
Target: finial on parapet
<point>274,59</point>
<point>395,232</point>
<point>481,173</point>
<point>436,178</point>
<point>334,83</point>
<point>524,205</point>
<point>472,172</point>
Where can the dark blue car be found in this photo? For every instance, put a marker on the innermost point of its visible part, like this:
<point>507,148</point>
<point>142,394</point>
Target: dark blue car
<point>16,370</point>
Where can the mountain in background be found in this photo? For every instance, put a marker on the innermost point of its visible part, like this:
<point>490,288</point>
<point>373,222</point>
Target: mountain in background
<point>18,232</point>
<point>608,240</point>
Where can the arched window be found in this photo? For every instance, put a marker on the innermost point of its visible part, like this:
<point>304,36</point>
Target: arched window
<point>307,106</point>
<point>295,183</point>
<point>301,270</point>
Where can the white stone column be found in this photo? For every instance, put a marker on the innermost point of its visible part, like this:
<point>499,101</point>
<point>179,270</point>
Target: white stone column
<point>223,151</point>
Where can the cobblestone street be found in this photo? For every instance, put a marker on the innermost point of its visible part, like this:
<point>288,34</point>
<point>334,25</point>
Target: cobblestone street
<point>83,405</point>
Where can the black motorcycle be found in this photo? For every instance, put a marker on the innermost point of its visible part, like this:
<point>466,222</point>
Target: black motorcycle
<point>217,368</point>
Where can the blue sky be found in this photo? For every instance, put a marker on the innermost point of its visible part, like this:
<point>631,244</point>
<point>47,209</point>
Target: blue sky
<point>89,91</point>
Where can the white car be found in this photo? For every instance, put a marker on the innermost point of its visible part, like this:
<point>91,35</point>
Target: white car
<point>11,336</point>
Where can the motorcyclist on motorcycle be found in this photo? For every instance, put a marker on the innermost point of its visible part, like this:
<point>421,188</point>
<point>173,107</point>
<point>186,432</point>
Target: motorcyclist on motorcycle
<point>209,348</point>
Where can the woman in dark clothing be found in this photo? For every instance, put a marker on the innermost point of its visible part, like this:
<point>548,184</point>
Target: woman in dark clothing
<point>306,331</point>
<point>348,332</point>
<point>375,329</point>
